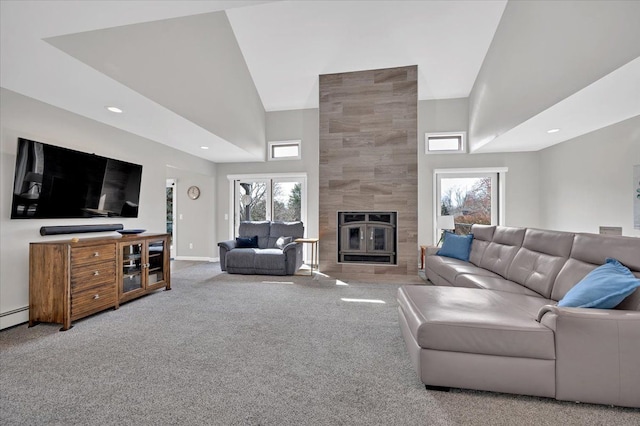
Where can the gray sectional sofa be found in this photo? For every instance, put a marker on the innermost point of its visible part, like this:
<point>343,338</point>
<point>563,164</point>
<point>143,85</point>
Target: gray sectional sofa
<point>493,323</point>
<point>276,253</point>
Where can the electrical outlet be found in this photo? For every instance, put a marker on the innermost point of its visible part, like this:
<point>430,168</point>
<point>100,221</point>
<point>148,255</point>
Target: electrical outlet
<point>190,245</point>
<point>180,216</point>
<point>226,216</point>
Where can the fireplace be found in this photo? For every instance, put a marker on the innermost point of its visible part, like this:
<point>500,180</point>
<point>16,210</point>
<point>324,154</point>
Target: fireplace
<point>367,237</point>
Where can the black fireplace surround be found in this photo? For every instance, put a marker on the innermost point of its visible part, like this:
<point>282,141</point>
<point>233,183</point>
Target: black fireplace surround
<point>367,237</point>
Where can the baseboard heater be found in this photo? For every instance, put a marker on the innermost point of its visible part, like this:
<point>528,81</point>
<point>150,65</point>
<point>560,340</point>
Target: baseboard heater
<point>77,229</point>
<point>15,311</point>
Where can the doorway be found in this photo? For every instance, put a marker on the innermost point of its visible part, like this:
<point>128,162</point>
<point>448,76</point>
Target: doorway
<point>171,213</point>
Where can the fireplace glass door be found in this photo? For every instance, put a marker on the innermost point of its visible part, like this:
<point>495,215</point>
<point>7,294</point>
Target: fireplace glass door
<point>354,237</point>
<point>379,238</point>
<point>367,237</point>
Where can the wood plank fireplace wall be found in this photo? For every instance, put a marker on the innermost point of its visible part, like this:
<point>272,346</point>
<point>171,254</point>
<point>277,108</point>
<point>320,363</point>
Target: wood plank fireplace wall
<point>368,159</point>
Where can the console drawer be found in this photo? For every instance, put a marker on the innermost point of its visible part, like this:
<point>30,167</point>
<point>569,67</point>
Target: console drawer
<point>89,301</point>
<point>83,255</point>
<point>93,275</point>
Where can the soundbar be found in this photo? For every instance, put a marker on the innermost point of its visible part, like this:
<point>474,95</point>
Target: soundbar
<point>77,229</point>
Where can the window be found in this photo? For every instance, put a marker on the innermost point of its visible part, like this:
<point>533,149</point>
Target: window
<point>284,150</point>
<point>443,143</point>
<point>469,196</point>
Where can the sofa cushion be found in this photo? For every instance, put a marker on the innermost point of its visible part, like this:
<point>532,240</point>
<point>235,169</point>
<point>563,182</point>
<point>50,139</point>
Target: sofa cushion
<point>501,250</point>
<point>241,258</point>
<point>449,268</point>
<point>590,251</point>
<point>456,246</point>
<point>538,261</point>
<point>604,287</point>
<point>259,228</point>
<point>474,321</point>
<point>482,236</point>
<point>271,261</point>
<point>286,229</point>
<point>492,283</point>
<point>247,242</point>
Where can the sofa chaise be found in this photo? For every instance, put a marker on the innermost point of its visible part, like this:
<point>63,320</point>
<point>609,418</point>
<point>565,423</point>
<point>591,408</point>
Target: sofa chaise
<point>493,322</point>
<point>263,248</point>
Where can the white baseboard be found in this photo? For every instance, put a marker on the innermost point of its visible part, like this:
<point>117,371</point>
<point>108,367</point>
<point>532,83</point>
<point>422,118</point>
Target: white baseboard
<point>197,258</point>
<point>14,318</point>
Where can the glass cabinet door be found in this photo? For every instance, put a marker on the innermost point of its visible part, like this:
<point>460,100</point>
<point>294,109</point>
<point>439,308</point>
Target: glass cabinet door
<point>132,267</point>
<point>155,264</point>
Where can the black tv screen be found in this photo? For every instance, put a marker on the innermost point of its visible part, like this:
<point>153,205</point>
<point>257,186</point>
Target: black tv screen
<point>54,182</point>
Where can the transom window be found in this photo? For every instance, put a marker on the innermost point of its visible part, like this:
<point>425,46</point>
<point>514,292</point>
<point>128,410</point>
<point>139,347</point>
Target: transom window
<point>284,150</point>
<point>443,143</point>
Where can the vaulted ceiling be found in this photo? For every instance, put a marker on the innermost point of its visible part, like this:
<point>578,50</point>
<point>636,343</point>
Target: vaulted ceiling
<point>180,69</point>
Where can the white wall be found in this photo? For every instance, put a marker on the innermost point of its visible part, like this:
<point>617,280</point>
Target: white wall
<point>195,236</point>
<point>281,125</point>
<point>521,191</point>
<point>155,59</point>
<point>544,51</point>
<point>25,117</point>
<point>587,182</point>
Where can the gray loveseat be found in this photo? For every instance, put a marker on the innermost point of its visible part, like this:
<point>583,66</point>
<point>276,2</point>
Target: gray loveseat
<point>493,323</point>
<point>276,252</point>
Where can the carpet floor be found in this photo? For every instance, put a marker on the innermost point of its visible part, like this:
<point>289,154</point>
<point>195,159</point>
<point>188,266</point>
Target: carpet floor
<point>222,349</point>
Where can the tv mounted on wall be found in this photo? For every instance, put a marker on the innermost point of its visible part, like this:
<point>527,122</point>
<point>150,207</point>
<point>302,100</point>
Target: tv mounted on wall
<point>54,182</point>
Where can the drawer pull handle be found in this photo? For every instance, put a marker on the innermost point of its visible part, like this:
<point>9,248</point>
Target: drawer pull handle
<point>96,254</point>
<point>96,273</point>
<point>96,297</point>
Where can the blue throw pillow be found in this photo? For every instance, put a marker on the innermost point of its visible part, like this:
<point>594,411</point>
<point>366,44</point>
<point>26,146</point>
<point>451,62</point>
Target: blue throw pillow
<point>456,246</point>
<point>247,242</point>
<point>603,288</point>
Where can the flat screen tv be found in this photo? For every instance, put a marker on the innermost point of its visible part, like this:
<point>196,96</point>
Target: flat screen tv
<point>54,182</point>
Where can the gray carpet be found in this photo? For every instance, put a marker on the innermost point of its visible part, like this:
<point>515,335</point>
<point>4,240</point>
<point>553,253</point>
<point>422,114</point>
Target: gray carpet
<point>236,350</point>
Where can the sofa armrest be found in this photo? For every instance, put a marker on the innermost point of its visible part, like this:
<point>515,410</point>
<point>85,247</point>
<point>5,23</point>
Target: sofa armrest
<point>293,256</point>
<point>225,246</point>
<point>588,313</point>
<point>432,250</point>
<point>597,353</point>
<point>229,245</point>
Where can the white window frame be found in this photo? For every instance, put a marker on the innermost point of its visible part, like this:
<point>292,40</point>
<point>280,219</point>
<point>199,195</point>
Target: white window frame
<point>275,144</point>
<point>502,177</point>
<point>462,142</point>
<point>271,177</point>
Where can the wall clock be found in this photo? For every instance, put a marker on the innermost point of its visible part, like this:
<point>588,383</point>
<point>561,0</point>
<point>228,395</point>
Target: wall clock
<point>193,192</point>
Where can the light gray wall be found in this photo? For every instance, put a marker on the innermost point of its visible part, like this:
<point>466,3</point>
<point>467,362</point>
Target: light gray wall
<point>25,117</point>
<point>194,230</point>
<point>587,182</point>
<point>280,125</point>
<point>155,59</point>
<point>527,70</point>
<point>522,179</point>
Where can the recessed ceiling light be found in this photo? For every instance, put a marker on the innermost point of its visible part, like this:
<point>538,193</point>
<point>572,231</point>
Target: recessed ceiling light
<point>553,130</point>
<point>204,147</point>
<point>114,109</point>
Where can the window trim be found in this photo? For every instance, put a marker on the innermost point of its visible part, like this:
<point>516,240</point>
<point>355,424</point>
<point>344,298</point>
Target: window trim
<point>275,144</point>
<point>462,144</point>
<point>286,177</point>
